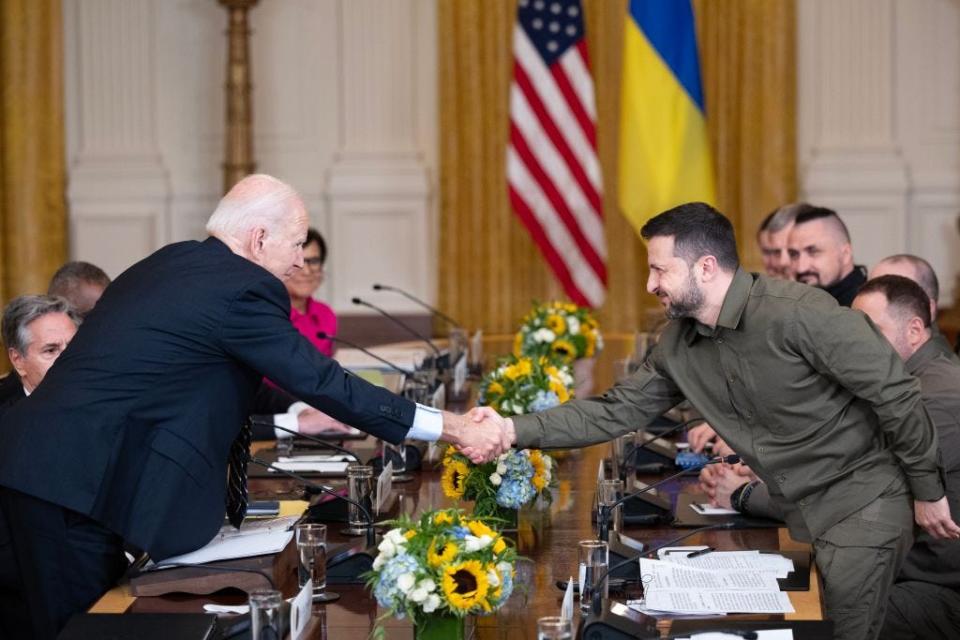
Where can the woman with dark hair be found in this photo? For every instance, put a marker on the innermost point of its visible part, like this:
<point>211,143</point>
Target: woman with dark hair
<point>308,315</point>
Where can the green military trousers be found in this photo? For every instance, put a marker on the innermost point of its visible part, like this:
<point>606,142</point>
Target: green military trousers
<point>859,558</point>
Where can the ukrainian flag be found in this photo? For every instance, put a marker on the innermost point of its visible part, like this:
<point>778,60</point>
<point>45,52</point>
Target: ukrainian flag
<point>664,156</point>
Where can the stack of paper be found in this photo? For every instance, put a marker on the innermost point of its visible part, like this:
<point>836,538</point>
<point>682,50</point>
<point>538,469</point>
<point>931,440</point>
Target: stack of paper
<point>772,563</point>
<point>254,538</point>
<point>676,587</point>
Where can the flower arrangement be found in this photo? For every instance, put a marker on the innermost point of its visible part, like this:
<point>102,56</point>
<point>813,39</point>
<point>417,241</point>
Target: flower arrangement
<point>558,330</point>
<point>505,484</point>
<point>522,384</point>
<point>444,564</point>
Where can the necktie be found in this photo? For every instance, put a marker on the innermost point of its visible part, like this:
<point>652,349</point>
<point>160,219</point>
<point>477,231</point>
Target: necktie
<point>237,475</point>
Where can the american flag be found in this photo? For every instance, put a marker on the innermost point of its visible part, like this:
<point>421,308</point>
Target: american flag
<point>552,166</point>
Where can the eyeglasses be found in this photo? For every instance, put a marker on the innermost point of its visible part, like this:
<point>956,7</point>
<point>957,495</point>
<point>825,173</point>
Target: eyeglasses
<point>313,263</point>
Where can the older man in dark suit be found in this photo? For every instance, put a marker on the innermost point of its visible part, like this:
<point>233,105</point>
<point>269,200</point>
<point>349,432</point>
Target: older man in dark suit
<point>127,439</point>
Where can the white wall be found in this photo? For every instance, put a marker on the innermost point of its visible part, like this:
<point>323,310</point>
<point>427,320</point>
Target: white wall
<point>344,109</point>
<point>879,124</point>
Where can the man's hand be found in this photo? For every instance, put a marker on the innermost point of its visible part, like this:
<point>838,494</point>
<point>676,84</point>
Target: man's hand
<point>480,440</point>
<point>699,436</point>
<point>311,422</point>
<point>935,518</point>
<point>507,434</point>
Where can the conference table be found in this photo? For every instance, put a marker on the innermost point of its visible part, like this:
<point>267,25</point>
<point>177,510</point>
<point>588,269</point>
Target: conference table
<point>549,552</point>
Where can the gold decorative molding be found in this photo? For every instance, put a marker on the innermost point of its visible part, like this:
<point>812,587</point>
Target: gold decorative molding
<point>238,152</point>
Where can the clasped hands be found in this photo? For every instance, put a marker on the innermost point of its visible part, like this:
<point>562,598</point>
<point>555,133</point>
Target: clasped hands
<point>482,434</point>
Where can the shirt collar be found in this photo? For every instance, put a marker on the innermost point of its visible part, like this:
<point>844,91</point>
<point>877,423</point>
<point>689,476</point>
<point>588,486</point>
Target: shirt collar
<point>922,356</point>
<point>731,311</point>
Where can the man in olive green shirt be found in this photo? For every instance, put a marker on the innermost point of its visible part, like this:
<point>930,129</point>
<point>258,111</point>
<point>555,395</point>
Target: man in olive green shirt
<point>813,399</point>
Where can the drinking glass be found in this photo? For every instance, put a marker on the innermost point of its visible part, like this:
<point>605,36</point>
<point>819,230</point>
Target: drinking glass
<point>594,560</point>
<point>312,555</point>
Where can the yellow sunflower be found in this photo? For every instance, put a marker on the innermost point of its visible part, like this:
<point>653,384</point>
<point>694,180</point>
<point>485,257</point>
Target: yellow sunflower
<point>556,323</point>
<point>591,339</point>
<point>511,372</point>
<point>454,478</point>
<point>499,546</point>
<point>466,586</point>
<point>447,554</point>
<point>564,349</point>
<point>524,366</point>
<point>539,480</point>
<point>495,388</point>
<point>478,529</point>
<point>409,534</point>
<point>443,517</point>
<point>560,389</point>
<point>518,343</point>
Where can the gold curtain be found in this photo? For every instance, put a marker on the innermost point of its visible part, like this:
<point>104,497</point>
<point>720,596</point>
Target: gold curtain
<point>33,222</point>
<point>490,269</point>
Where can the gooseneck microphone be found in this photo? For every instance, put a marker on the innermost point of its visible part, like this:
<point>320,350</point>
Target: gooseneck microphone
<point>416,300</point>
<point>326,336</point>
<point>604,516</point>
<point>597,598</point>
<point>399,322</point>
<point>371,532</point>
<point>323,443</point>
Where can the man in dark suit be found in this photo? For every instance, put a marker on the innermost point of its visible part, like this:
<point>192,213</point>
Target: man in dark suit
<point>127,439</point>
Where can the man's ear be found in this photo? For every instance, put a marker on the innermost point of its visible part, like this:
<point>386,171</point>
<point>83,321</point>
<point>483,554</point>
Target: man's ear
<point>916,332</point>
<point>709,267</point>
<point>16,359</point>
<point>255,241</point>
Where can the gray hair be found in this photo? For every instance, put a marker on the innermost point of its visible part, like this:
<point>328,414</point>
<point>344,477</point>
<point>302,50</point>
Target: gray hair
<point>781,218</point>
<point>23,310</point>
<point>257,201</point>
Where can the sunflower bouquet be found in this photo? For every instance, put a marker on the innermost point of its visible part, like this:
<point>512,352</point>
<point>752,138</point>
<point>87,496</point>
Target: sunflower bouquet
<point>522,384</point>
<point>444,564</point>
<point>499,488</point>
<point>558,330</point>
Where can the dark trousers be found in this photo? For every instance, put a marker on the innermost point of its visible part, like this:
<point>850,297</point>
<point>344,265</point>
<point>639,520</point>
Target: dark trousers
<point>922,611</point>
<point>859,557</point>
<point>65,561</point>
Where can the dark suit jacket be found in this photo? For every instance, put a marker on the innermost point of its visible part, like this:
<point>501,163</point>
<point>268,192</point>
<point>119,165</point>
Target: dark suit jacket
<point>133,423</point>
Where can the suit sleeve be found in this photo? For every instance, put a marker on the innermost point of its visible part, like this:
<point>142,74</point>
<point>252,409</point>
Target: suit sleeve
<point>256,330</point>
<point>627,406</point>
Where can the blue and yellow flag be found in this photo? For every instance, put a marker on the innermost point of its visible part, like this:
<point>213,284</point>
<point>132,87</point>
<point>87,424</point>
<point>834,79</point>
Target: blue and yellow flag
<point>664,154</point>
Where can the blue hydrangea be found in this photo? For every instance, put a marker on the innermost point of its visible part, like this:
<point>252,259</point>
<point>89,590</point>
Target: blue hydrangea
<point>516,488</point>
<point>544,400</point>
<point>460,532</point>
<point>386,591</point>
<point>507,587</point>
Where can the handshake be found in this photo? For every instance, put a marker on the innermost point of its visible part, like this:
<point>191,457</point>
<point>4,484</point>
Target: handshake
<point>481,434</point>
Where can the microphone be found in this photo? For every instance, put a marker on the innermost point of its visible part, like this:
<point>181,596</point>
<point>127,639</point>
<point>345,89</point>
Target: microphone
<point>604,517</point>
<point>398,322</point>
<point>597,599</point>
<point>323,443</point>
<point>416,300</point>
<point>326,336</point>
<point>371,532</point>
<point>649,441</point>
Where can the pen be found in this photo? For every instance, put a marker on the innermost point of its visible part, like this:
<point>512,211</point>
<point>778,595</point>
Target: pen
<point>700,552</point>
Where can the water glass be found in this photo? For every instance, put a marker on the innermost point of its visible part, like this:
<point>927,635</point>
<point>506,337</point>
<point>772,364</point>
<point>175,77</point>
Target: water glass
<point>610,492</point>
<point>265,614</point>
<point>360,489</point>
<point>554,628</point>
<point>594,560</point>
<point>312,555</point>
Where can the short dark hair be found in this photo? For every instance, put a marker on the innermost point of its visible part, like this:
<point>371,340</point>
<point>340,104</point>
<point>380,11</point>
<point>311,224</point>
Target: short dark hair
<point>73,274</point>
<point>23,310</point>
<point>905,296</point>
<point>812,213</point>
<point>698,230</point>
<point>926,276</point>
<point>314,236</point>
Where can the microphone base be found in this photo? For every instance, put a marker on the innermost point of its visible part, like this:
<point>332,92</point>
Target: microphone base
<point>354,532</point>
<point>347,564</point>
<point>610,626</point>
<point>620,548</point>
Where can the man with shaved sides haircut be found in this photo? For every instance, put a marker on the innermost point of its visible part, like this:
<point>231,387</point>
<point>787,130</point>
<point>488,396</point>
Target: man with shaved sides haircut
<point>821,255</point>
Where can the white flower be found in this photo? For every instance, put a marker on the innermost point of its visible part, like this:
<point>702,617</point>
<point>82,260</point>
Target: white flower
<point>544,335</point>
<point>428,585</point>
<point>379,561</point>
<point>573,325</point>
<point>547,462</point>
<point>471,544</point>
<point>396,537</point>
<point>495,479</point>
<point>418,595</point>
<point>406,581</point>
<point>431,603</point>
<point>387,548</point>
<point>493,579</point>
<point>501,468</point>
<point>503,567</point>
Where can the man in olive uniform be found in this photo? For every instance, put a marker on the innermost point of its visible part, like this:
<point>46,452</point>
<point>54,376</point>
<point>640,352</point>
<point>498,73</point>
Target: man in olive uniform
<point>808,393</point>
